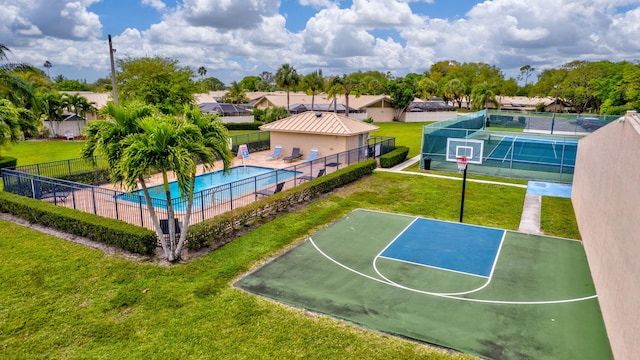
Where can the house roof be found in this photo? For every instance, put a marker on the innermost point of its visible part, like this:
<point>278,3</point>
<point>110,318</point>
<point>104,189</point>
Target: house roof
<point>326,123</point>
<point>223,108</point>
<point>99,99</point>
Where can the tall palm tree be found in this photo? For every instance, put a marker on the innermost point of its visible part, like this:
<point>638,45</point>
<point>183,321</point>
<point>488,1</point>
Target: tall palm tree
<point>202,71</point>
<point>312,83</point>
<point>287,77</point>
<point>47,64</point>
<point>334,88</point>
<point>351,86</point>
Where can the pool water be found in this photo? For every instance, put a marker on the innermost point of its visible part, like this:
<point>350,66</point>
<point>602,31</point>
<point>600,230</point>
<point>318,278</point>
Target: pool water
<point>216,186</point>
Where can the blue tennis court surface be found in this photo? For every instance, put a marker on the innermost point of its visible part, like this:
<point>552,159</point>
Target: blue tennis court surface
<point>449,246</point>
<point>522,149</point>
<point>549,189</point>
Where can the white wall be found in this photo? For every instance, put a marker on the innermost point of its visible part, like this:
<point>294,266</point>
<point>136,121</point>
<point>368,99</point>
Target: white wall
<point>428,116</point>
<point>606,200</point>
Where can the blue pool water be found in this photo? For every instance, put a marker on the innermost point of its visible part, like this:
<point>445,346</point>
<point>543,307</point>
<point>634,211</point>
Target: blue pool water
<point>216,186</point>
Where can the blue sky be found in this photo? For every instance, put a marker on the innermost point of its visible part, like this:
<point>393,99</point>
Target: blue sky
<point>245,37</point>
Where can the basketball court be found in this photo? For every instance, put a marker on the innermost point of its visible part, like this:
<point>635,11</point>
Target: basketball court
<point>489,292</point>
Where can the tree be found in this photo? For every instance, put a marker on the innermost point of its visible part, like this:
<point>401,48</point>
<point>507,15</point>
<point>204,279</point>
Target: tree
<point>48,65</point>
<point>249,82</point>
<point>236,94</point>
<point>402,94</point>
<point>482,94</point>
<point>138,139</point>
<point>9,123</point>
<point>351,86</point>
<point>312,83</point>
<point>12,86</point>
<point>525,72</point>
<point>287,77</point>
<point>53,108</point>
<point>454,90</point>
<point>161,82</point>
<point>428,88</point>
<point>212,84</point>
<point>202,71</point>
<point>334,88</point>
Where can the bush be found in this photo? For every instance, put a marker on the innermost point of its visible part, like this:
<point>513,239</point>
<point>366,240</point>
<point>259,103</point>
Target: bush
<point>368,120</point>
<point>118,233</point>
<point>8,162</point>
<point>224,228</point>
<point>244,126</point>
<point>395,157</point>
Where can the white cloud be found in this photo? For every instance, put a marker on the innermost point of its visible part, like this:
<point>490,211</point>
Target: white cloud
<point>156,4</point>
<point>228,14</point>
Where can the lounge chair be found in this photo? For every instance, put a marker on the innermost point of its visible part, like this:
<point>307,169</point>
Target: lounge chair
<point>295,155</point>
<point>277,152</point>
<point>312,156</point>
<point>309,177</point>
<point>57,195</point>
<point>267,192</point>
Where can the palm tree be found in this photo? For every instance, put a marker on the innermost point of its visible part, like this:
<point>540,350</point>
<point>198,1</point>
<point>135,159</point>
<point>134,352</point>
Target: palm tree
<point>482,94</point>
<point>236,94</point>
<point>351,85</point>
<point>334,87</point>
<point>454,89</point>
<point>312,84</point>
<point>48,65</point>
<point>9,123</point>
<point>428,88</point>
<point>13,87</point>
<point>202,71</point>
<point>287,77</point>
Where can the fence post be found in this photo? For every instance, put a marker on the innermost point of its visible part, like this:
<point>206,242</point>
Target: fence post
<point>140,208</point>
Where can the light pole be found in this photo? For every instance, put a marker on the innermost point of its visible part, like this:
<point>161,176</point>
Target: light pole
<point>555,109</point>
<point>113,73</point>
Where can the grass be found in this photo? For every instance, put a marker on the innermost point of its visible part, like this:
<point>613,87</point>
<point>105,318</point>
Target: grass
<point>557,218</point>
<point>62,300</point>
<point>406,134</point>
<point>39,151</point>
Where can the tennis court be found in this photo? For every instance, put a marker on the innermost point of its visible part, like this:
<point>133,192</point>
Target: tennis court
<point>489,292</point>
<point>535,151</point>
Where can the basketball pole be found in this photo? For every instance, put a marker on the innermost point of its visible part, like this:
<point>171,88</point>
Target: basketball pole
<point>464,184</point>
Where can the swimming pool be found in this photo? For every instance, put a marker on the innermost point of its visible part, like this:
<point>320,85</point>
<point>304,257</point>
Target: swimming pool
<point>216,186</point>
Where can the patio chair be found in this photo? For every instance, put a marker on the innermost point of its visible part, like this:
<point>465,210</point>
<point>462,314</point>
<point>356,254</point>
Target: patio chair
<point>69,135</point>
<point>309,177</point>
<point>267,192</point>
<point>312,156</point>
<point>277,153</point>
<point>295,154</point>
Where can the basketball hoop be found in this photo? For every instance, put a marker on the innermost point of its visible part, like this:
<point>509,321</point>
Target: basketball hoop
<point>462,163</point>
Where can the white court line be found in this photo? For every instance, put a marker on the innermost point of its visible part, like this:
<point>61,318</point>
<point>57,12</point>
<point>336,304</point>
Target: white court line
<point>449,296</point>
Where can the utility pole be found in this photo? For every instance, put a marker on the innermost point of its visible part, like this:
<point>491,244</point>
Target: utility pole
<point>113,73</point>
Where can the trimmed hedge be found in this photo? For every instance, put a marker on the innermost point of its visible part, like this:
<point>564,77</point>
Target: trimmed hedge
<point>118,233</point>
<point>395,157</point>
<point>244,126</point>
<point>8,162</point>
<point>225,227</point>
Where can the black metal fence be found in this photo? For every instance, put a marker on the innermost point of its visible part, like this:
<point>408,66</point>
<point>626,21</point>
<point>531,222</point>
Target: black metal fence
<point>36,181</point>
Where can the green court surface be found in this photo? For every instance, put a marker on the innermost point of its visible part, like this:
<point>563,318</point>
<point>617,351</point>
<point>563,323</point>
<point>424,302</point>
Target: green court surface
<point>488,292</point>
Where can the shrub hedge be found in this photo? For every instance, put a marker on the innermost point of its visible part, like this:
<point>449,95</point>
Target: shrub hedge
<point>8,162</point>
<point>394,157</point>
<point>244,126</point>
<point>226,227</point>
<point>118,233</point>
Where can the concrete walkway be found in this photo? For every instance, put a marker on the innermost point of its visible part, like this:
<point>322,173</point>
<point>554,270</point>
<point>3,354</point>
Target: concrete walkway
<point>530,218</point>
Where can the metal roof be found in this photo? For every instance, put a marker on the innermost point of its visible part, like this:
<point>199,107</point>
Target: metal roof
<point>316,122</point>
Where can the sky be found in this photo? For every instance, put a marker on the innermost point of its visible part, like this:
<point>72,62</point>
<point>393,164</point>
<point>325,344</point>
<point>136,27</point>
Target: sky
<point>237,38</point>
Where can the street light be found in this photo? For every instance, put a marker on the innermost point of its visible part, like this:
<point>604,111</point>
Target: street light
<point>555,109</point>
<point>113,73</point>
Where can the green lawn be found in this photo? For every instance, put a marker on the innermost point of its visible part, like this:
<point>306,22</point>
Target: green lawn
<point>62,300</point>
<point>406,134</point>
<point>39,151</point>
